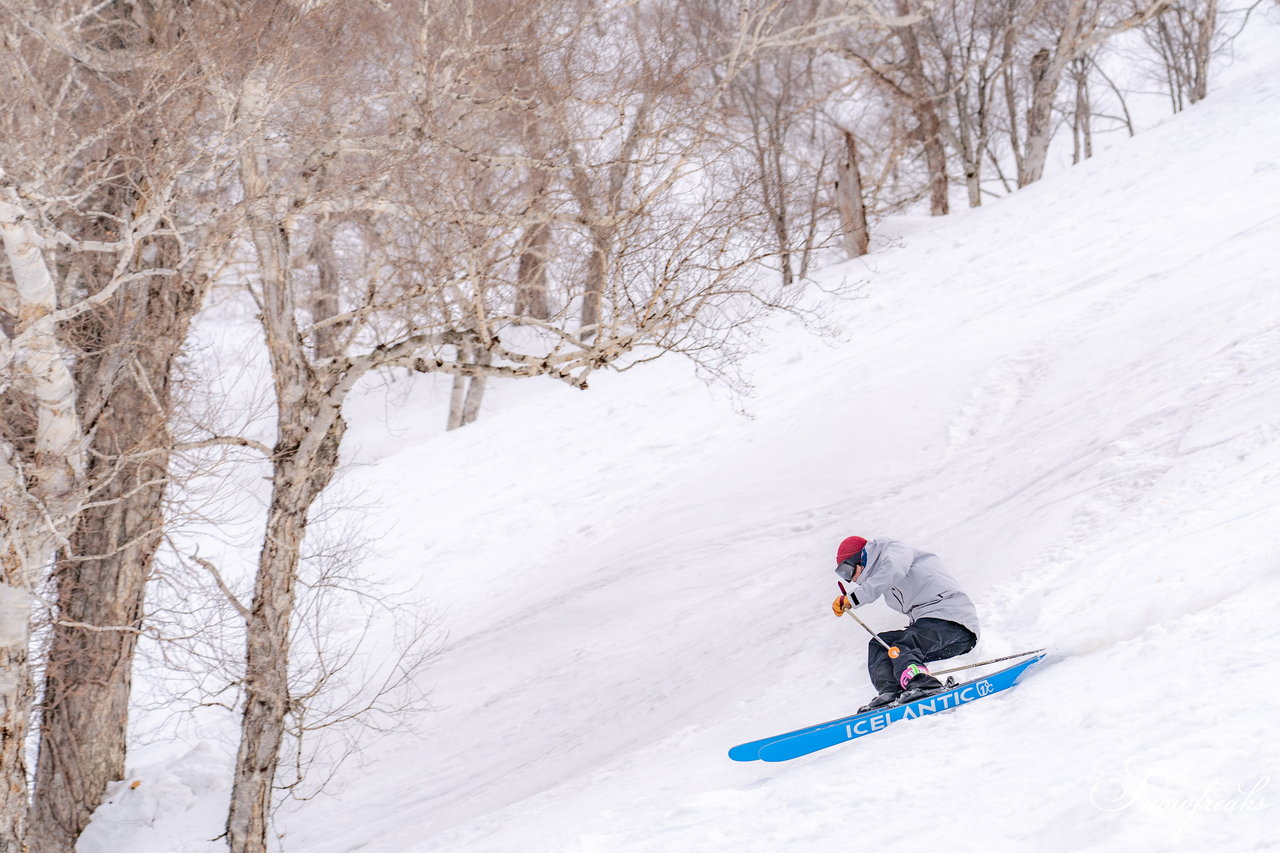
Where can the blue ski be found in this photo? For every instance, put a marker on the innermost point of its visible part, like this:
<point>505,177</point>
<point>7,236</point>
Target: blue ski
<point>813,738</point>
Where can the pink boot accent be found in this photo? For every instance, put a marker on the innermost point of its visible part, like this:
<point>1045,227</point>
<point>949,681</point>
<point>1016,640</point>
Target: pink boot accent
<point>911,672</point>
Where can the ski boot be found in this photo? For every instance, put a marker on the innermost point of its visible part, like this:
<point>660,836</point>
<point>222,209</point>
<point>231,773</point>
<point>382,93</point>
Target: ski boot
<point>883,700</point>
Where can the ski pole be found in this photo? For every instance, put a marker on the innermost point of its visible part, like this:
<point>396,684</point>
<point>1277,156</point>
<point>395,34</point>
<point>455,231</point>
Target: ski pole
<point>892,650</point>
<point>985,662</point>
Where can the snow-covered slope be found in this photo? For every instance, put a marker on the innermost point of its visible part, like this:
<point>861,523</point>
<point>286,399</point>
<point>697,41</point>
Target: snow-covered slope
<point>1072,395</point>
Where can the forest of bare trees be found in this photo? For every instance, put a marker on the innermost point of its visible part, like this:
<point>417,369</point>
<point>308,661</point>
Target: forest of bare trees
<point>476,188</point>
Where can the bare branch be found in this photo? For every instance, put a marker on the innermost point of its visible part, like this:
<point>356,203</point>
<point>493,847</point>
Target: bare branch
<point>222,585</point>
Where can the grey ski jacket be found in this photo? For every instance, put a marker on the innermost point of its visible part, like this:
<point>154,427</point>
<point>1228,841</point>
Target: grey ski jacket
<point>912,582</point>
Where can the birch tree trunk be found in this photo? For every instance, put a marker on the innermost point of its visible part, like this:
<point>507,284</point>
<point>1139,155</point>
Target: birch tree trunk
<point>1081,125</point>
<point>594,282</point>
<point>601,202</point>
<point>1046,71</point>
<point>309,431</point>
<point>971,158</point>
<point>925,107</point>
<point>15,692</point>
<point>854,230</point>
<point>40,488</point>
<point>101,578</point>
<point>1206,29</point>
<point>306,455</point>
<point>532,297</point>
<point>1008,78</point>
<point>467,394</point>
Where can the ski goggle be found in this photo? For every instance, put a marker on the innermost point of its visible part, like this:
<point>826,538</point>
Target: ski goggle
<point>846,569</point>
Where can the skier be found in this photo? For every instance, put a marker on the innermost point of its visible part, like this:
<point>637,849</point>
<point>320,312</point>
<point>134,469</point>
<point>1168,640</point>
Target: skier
<point>944,622</point>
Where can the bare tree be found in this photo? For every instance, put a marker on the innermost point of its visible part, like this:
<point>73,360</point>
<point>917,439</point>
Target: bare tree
<point>965,43</point>
<point>1072,28</point>
<point>946,65</point>
<point>87,214</point>
<point>891,55</point>
<point>922,97</point>
<point>1184,38</point>
<point>774,106</point>
<point>43,473</point>
<point>645,248</point>
<point>124,350</point>
<point>1081,115</point>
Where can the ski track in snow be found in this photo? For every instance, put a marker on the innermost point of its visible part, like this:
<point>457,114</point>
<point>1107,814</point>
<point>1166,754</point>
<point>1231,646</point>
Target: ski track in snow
<point>1072,395</point>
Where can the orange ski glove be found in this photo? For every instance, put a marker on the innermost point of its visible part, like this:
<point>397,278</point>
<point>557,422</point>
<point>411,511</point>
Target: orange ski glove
<point>840,605</point>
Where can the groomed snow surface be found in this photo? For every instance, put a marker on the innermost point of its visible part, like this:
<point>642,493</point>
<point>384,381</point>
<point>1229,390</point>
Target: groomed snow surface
<point>1072,395</point>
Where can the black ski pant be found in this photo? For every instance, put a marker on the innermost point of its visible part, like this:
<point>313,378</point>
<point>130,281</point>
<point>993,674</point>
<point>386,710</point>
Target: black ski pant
<point>923,640</point>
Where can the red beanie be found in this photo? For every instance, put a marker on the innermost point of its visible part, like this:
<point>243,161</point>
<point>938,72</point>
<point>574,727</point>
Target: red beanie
<point>849,548</point>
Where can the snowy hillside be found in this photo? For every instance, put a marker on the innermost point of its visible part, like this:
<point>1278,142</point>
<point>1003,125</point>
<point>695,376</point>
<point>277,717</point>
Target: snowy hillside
<point>1071,395</point>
